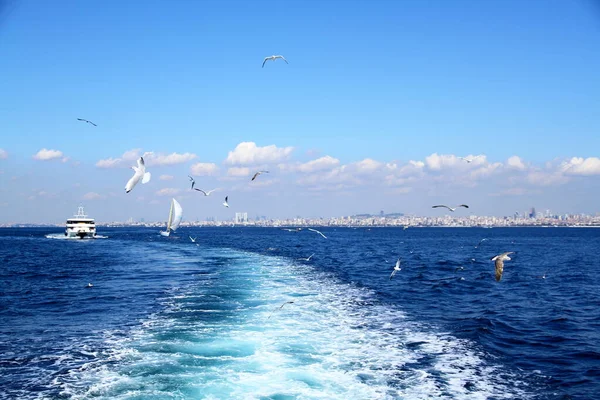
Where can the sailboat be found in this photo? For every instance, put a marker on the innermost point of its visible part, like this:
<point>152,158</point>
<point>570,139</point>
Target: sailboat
<point>175,215</point>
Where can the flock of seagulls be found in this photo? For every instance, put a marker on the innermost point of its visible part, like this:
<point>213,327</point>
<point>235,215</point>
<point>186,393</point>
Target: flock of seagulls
<point>141,174</point>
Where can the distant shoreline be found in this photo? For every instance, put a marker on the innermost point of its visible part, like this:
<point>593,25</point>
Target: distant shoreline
<point>25,226</point>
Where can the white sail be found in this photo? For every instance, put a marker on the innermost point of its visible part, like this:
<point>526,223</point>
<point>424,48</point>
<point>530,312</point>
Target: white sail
<point>177,215</point>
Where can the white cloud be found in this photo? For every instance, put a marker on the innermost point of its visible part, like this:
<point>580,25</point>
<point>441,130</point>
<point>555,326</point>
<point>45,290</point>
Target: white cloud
<point>46,154</point>
<point>166,177</point>
<point>92,196</point>
<point>515,162</point>
<point>319,164</point>
<point>204,169</point>
<point>3,154</point>
<point>546,178</point>
<point>150,158</point>
<point>109,163</point>
<point>435,161</point>
<point>238,171</point>
<point>581,166</point>
<point>367,165</point>
<point>170,159</point>
<point>168,192</point>
<point>248,153</point>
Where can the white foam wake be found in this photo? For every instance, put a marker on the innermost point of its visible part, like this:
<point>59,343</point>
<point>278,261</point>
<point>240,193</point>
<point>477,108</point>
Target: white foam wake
<point>225,337</point>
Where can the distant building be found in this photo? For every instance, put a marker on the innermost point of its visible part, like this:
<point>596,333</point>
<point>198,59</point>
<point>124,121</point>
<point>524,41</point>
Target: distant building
<point>532,212</point>
<point>241,218</point>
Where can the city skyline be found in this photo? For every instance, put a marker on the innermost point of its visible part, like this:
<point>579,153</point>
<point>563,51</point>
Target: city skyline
<point>379,102</point>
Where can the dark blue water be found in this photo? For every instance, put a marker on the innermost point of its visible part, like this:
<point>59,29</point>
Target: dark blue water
<point>167,318</point>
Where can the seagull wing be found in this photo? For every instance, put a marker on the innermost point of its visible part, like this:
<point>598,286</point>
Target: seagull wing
<point>200,190</point>
<point>141,163</point>
<point>462,205</point>
<point>92,123</point>
<point>441,205</point>
<point>255,175</point>
<point>314,230</point>
<point>263,64</point>
<point>226,197</point>
<point>283,58</point>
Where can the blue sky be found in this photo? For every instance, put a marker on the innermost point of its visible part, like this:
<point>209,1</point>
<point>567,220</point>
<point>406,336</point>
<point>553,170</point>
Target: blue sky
<point>392,82</point>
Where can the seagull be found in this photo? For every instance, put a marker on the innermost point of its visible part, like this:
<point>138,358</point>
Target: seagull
<point>450,208</point>
<point>543,276</point>
<point>273,58</point>
<point>459,269</point>
<point>85,120</point>
<point>89,285</point>
<point>140,174</point>
<point>193,239</point>
<point>225,202</point>
<point>405,227</point>
<point>499,263</point>
<point>280,307</point>
<point>314,230</point>
<point>469,160</point>
<point>258,173</point>
<point>206,193</point>
<point>192,180</point>
<point>481,241</point>
<point>307,259</point>
<point>291,229</point>
<point>396,269</point>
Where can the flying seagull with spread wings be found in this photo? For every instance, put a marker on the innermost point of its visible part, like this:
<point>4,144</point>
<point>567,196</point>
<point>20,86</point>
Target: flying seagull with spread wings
<point>140,174</point>
<point>499,263</point>
<point>314,230</point>
<point>273,58</point>
<point>469,160</point>
<point>192,239</point>
<point>206,193</point>
<point>396,269</point>
<point>451,208</point>
<point>258,173</point>
<point>225,203</point>
<point>481,241</point>
<point>85,120</point>
<point>307,259</point>
<point>280,307</point>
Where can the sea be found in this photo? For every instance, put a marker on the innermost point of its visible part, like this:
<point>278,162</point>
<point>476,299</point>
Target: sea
<point>242,314</point>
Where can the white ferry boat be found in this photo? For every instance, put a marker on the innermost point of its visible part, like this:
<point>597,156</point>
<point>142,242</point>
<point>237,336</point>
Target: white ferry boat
<point>80,226</point>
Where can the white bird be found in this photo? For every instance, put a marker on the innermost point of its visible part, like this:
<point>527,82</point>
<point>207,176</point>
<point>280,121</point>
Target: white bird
<point>89,285</point>
<point>273,58</point>
<point>206,193</point>
<point>450,208</point>
<point>314,230</point>
<point>192,180</point>
<point>85,120</point>
<point>396,269</point>
<point>291,229</point>
<point>481,241</point>
<point>258,173</point>
<point>280,307</point>
<point>307,259</point>
<point>499,263</point>
<point>140,174</point>
<point>225,202</point>
<point>193,239</point>
<point>469,160</point>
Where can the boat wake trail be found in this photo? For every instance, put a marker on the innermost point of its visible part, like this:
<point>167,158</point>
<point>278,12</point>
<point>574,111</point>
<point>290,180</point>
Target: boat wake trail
<point>219,337</point>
